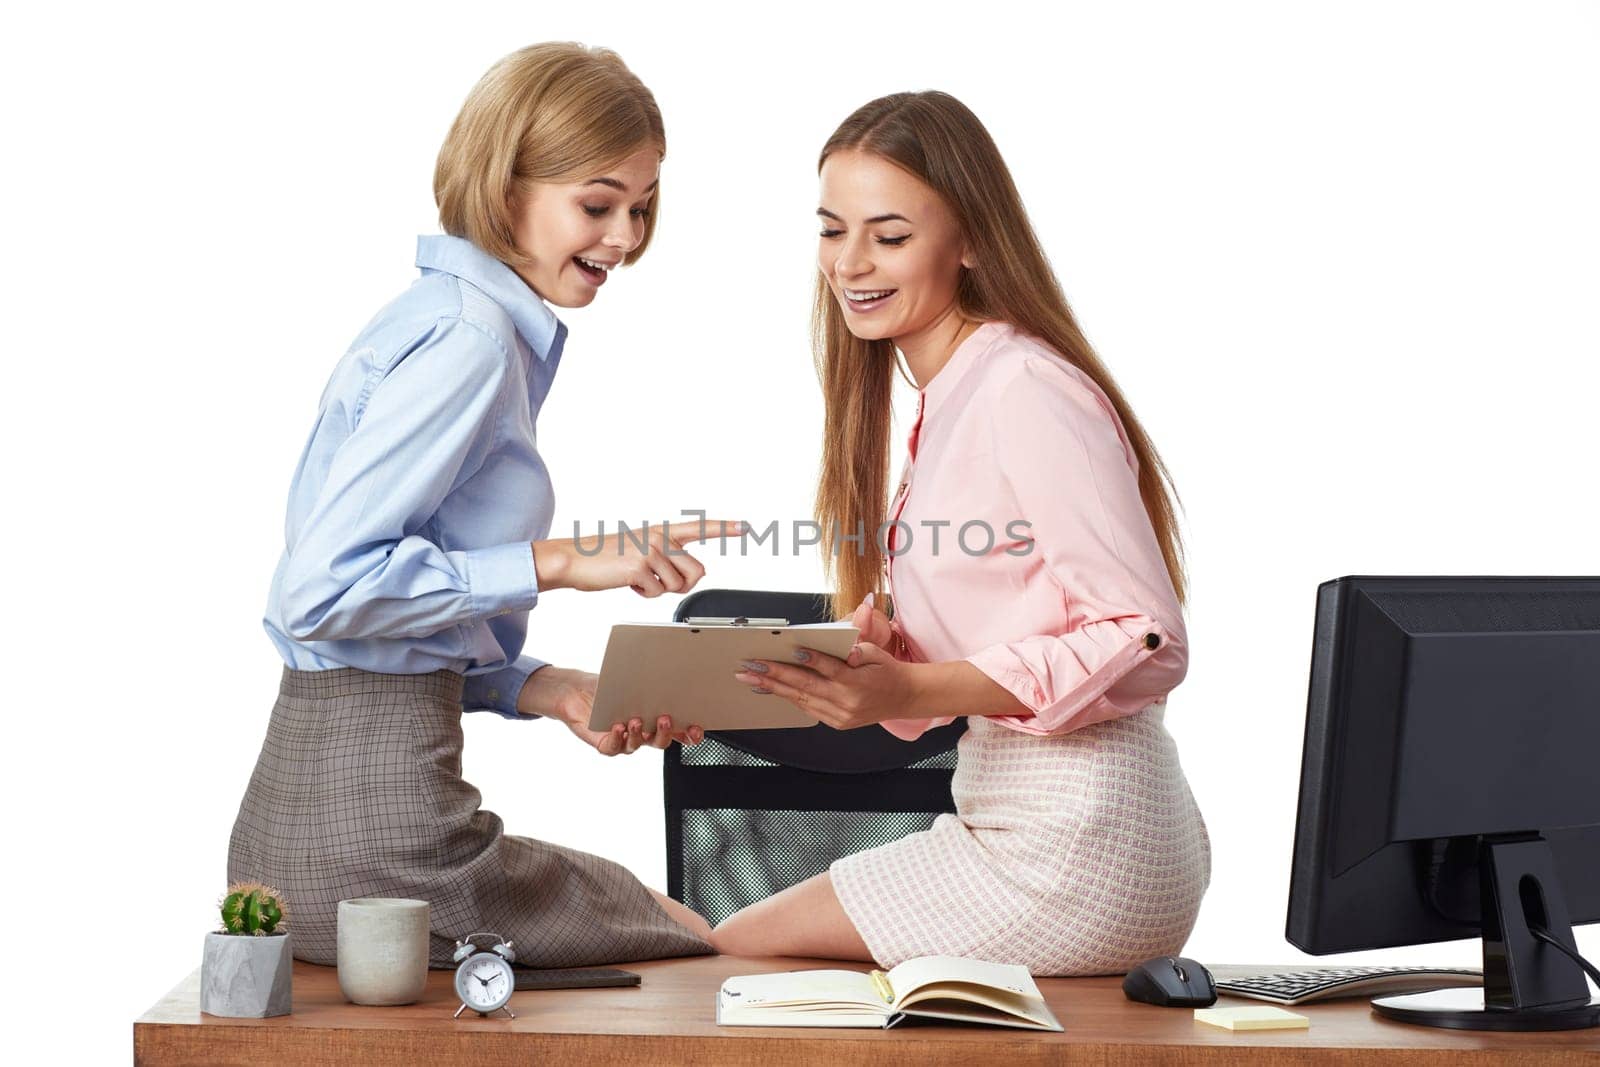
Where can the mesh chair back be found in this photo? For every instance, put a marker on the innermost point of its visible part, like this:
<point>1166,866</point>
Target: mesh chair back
<point>751,812</point>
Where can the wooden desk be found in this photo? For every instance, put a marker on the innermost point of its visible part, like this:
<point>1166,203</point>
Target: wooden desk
<point>670,1019</point>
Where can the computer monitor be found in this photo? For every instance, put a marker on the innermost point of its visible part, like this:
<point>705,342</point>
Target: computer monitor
<point>1450,787</point>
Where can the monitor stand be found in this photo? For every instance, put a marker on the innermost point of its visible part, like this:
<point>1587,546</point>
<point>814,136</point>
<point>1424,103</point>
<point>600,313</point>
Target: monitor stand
<point>1527,984</point>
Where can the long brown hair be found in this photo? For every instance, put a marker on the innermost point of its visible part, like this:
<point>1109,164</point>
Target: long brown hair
<point>934,137</point>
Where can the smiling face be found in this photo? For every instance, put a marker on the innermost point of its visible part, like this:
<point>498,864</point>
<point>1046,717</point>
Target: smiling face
<point>575,233</point>
<point>890,249</point>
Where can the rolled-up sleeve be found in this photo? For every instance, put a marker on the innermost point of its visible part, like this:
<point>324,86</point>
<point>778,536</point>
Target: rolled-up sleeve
<point>1123,644</point>
<point>362,566</point>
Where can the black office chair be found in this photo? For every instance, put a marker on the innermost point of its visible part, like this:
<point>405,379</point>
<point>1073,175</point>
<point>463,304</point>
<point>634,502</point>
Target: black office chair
<point>751,812</point>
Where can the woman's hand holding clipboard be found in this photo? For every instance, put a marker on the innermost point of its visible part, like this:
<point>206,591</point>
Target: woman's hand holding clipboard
<point>568,696</point>
<point>651,561</point>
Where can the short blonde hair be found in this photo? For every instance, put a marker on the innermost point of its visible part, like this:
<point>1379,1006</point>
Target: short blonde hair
<point>553,112</point>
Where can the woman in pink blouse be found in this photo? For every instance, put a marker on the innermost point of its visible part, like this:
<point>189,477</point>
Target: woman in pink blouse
<point>1033,555</point>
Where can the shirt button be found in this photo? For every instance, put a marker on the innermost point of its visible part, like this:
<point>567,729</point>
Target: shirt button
<point>494,694</point>
<point>1151,641</point>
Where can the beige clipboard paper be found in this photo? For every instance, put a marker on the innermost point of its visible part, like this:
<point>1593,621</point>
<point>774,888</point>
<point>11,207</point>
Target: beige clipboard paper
<point>686,669</point>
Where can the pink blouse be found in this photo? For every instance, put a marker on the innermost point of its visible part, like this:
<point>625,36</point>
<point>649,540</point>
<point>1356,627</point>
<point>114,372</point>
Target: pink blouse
<point>1081,626</point>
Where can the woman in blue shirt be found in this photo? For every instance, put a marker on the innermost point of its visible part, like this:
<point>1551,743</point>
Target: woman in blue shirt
<point>416,543</point>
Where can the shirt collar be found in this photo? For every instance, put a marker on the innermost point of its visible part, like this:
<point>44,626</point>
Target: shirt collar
<point>537,324</point>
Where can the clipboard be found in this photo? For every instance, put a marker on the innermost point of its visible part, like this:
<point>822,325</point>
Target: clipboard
<point>685,670</point>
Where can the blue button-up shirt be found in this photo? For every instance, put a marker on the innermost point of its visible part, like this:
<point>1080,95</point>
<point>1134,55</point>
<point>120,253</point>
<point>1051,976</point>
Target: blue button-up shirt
<point>408,542</point>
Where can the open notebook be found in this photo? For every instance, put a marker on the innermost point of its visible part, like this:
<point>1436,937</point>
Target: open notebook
<point>937,987</point>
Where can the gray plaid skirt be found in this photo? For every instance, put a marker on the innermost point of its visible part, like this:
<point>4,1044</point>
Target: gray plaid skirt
<point>358,793</point>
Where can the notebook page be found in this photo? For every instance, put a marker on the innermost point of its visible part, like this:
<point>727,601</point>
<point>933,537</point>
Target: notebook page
<point>1038,1018</point>
<point>975,1003</point>
<point>912,975</point>
<point>818,988</point>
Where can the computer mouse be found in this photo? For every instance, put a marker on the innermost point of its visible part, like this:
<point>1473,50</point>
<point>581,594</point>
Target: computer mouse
<point>1171,982</point>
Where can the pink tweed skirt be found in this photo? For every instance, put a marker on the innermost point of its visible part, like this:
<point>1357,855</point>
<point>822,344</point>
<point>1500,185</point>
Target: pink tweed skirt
<point>1076,854</point>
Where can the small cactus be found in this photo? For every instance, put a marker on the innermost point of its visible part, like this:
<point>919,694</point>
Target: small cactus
<point>253,909</point>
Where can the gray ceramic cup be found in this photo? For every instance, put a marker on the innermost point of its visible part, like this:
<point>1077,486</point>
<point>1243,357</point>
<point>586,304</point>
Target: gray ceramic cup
<point>383,950</point>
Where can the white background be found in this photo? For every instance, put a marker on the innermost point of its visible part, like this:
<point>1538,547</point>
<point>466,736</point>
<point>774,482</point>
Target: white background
<point>1342,258</point>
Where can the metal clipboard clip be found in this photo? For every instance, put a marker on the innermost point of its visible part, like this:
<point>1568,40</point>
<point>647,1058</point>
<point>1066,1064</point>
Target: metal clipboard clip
<point>709,620</point>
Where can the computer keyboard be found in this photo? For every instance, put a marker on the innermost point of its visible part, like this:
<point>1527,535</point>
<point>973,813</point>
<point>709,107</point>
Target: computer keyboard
<point>1325,983</point>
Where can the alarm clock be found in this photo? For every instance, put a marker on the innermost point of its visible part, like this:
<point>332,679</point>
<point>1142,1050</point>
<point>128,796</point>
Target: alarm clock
<point>484,979</point>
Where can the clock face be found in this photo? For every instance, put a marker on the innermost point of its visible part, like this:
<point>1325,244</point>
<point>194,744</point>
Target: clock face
<point>484,982</point>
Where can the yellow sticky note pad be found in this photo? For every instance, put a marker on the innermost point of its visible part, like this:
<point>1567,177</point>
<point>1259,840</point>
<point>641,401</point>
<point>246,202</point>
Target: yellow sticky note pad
<point>1263,1017</point>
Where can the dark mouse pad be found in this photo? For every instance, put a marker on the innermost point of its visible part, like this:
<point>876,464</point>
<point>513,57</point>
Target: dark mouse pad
<point>574,978</point>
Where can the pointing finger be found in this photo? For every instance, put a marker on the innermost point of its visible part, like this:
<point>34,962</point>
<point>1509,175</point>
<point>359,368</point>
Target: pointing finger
<point>684,532</point>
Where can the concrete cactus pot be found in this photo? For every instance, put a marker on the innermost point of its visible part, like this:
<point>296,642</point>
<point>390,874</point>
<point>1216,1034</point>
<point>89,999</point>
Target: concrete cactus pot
<point>245,977</point>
